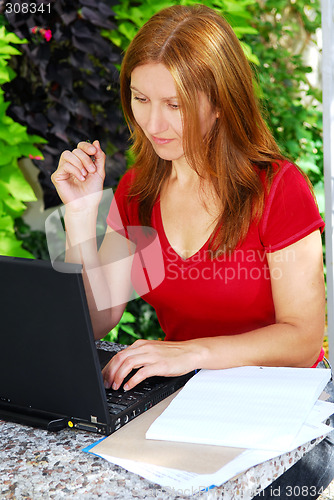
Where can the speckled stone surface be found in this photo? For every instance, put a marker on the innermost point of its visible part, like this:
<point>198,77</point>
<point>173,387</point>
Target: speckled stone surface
<point>36,464</point>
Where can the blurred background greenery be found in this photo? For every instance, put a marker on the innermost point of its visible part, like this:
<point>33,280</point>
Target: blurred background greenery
<point>59,84</point>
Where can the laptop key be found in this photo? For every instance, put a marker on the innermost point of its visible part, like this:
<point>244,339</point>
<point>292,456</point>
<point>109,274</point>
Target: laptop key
<point>118,407</point>
<point>114,411</point>
<point>117,401</point>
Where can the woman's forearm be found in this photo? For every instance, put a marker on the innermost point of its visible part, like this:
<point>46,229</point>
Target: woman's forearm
<point>280,344</point>
<point>81,248</point>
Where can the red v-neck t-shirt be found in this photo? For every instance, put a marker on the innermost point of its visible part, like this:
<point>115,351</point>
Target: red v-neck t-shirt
<point>230,294</point>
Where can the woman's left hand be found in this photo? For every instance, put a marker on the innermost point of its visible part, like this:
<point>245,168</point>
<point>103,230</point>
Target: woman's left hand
<point>150,357</point>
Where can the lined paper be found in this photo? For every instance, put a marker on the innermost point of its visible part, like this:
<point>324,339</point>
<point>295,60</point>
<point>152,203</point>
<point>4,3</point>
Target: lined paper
<point>247,407</point>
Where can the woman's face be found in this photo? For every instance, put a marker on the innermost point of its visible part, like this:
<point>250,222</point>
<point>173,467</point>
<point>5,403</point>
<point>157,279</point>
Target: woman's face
<point>156,109</point>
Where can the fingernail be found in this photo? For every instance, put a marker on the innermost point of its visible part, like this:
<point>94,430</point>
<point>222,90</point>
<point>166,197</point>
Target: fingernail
<point>84,172</point>
<point>106,384</point>
<point>126,387</point>
<point>114,386</point>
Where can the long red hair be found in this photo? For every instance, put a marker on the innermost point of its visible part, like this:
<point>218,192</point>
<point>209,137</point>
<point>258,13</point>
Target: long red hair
<point>202,53</point>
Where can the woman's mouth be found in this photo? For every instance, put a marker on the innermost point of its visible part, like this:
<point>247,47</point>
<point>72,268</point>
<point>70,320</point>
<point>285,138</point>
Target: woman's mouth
<point>159,140</point>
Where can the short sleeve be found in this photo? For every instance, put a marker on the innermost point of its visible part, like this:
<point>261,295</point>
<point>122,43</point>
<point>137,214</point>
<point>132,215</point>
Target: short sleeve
<point>120,212</point>
<point>290,212</point>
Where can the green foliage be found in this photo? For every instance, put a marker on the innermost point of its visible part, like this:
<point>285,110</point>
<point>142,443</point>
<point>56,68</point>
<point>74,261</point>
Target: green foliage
<point>139,321</point>
<point>14,144</point>
<point>125,325</point>
<point>131,15</point>
<point>291,104</point>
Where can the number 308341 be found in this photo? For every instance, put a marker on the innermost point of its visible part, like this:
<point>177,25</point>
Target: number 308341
<point>27,8</point>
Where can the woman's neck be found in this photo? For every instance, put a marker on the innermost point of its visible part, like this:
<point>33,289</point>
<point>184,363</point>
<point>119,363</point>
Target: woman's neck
<point>183,175</point>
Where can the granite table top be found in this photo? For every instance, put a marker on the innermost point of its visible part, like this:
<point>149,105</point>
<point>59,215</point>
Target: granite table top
<point>37,464</point>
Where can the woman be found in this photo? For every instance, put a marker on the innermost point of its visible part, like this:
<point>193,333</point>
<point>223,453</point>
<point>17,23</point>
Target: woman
<point>237,223</point>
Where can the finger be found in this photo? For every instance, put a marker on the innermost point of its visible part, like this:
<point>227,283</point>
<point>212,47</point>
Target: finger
<point>87,148</point>
<point>120,368</point>
<point>112,368</point>
<point>100,157</point>
<point>85,159</point>
<point>68,170</point>
<point>141,375</point>
<point>133,357</point>
<point>126,367</point>
<point>71,158</point>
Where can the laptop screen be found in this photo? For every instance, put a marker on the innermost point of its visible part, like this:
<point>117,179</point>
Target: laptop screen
<point>48,360</point>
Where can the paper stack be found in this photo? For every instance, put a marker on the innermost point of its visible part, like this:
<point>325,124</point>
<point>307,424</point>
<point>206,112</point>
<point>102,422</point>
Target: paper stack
<point>239,417</point>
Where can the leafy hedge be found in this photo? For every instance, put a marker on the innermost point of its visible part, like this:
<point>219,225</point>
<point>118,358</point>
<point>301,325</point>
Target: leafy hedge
<point>15,143</point>
<point>292,104</point>
<point>66,87</point>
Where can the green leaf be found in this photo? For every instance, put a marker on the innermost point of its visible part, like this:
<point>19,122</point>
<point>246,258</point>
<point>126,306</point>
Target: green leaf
<point>243,30</point>
<point>130,331</point>
<point>14,207</point>
<point>113,36</point>
<point>12,247</point>
<point>8,49</point>
<point>13,132</point>
<point>249,54</point>
<point>14,181</point>
<point>3,189</point>
<point>5,75</point>
<point>10,37</point>
<point>27,149</point>
<point>127,29</point>
<point>6,224</point>
<point>111,336</point>
<point>128,317</point>
<point>7,154</point>
<point>307,164</point>
<point>20,188</point>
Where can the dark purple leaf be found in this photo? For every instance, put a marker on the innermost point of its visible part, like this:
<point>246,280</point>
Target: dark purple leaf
<point>97,18</point>
<point>69,17</point>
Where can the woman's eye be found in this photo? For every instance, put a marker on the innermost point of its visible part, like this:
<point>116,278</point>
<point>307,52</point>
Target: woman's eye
<point>140,99</point>
<point>174,106</point>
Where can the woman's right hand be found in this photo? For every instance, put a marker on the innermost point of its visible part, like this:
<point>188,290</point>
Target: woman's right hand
<point>78,178</point>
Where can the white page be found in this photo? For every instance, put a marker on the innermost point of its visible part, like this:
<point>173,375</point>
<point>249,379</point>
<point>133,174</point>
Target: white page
<point>247,407</point>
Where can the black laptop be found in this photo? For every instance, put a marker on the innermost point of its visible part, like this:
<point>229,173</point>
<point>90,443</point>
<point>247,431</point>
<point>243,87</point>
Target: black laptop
<point>50,365</point>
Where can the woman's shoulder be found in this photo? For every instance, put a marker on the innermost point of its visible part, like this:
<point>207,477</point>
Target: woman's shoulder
<point>290,209</point>
<point>278,170</point>
<point>283,177</point>
<point>286,178</point>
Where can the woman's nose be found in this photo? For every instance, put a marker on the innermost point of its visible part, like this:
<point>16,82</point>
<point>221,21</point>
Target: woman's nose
<point>156,122</point>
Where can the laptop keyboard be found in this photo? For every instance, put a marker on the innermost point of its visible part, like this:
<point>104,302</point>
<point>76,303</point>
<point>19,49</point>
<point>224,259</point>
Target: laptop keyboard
<point>120,400</point>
